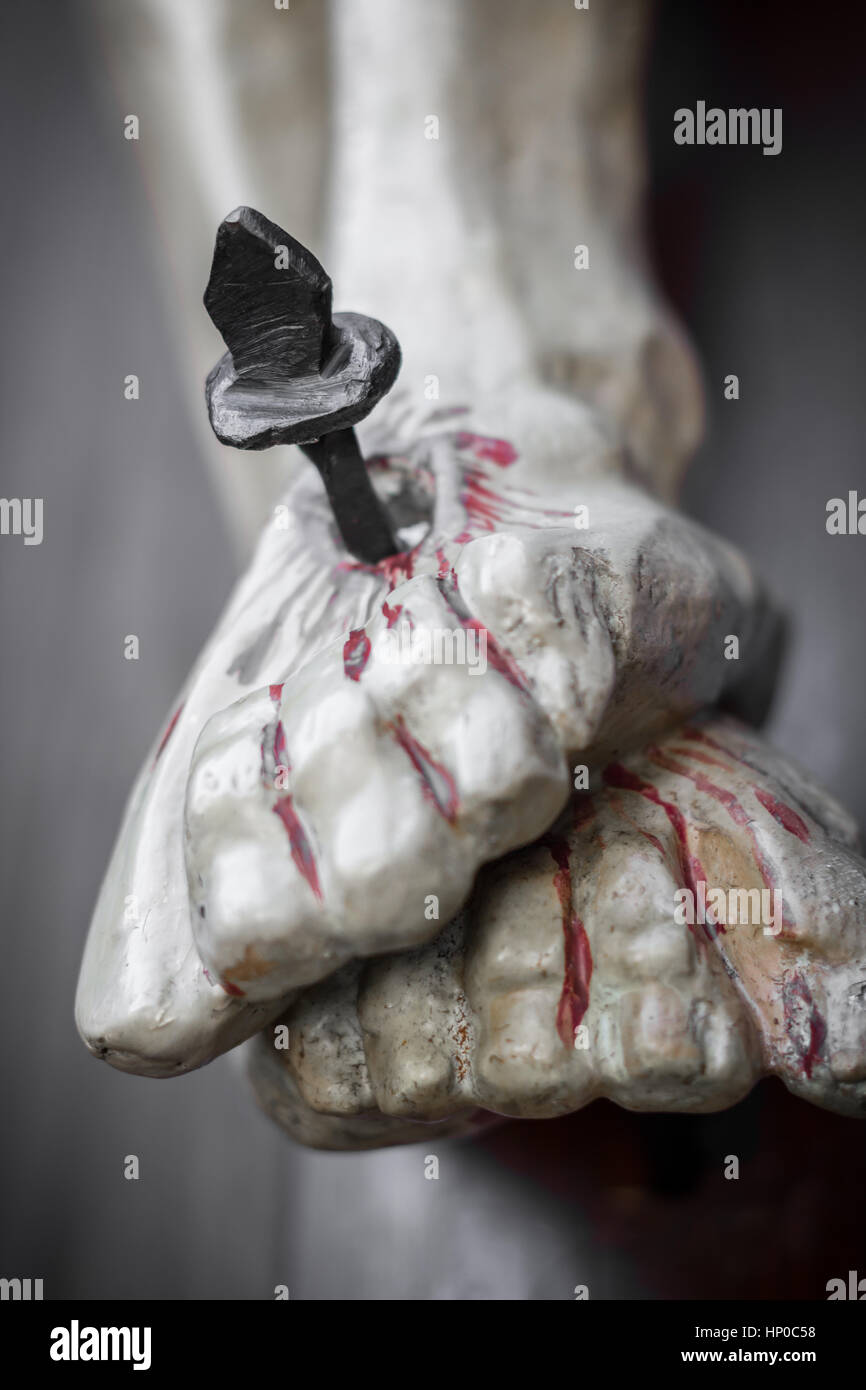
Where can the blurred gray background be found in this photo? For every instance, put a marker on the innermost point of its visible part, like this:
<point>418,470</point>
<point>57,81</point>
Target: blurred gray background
<point>763,258</point>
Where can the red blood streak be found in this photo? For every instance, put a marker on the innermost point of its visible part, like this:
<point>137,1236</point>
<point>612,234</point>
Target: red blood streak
<point>784,815</point>
<point>615,775</point>
<point>738,815</point>
<point>498,451</point>
<point>800,1009</point>
<point>276,693</point>
<point>447,576</point>
<point>444,566</point>
<point>483,497</point>
<point>168,732</point>
<point>698,736</point>
<point>391,614</point>
<point>654,841</point>
<point>485,508</point>
<point>703,784</point>
<point>574,999</point>
<point>302,853</point>
<point>647,834</point>
<point>281,752</point>
<point>498,659</point>
<point>395,568</point>
<point>701,758</point>
<point>234,990</point>
<point>356,653</point>
<point>437,784</point>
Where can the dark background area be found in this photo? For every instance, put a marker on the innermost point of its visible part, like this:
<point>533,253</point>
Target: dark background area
<point>763,259</point>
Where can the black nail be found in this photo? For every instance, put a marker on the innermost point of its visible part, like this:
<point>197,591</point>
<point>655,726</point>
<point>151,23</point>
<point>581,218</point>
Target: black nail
<point>294,373</point>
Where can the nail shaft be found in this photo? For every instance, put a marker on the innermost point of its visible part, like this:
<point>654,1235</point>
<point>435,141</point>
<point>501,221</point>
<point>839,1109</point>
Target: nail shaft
<point>360,516</point>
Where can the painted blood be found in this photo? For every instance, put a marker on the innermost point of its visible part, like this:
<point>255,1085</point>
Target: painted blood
<point>437,784</point>
<point>785,816</point>
<point>281,752</point>
<point>691,869</point>
<point>574,999</point>
<point>169,731</point>
<point>391,614</point>
<point>734,809</point>
<point>356,653</point>
<point>302,853</point>
<point>804,1025</point>
<point>498,451</point>
<point>396,569</point>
